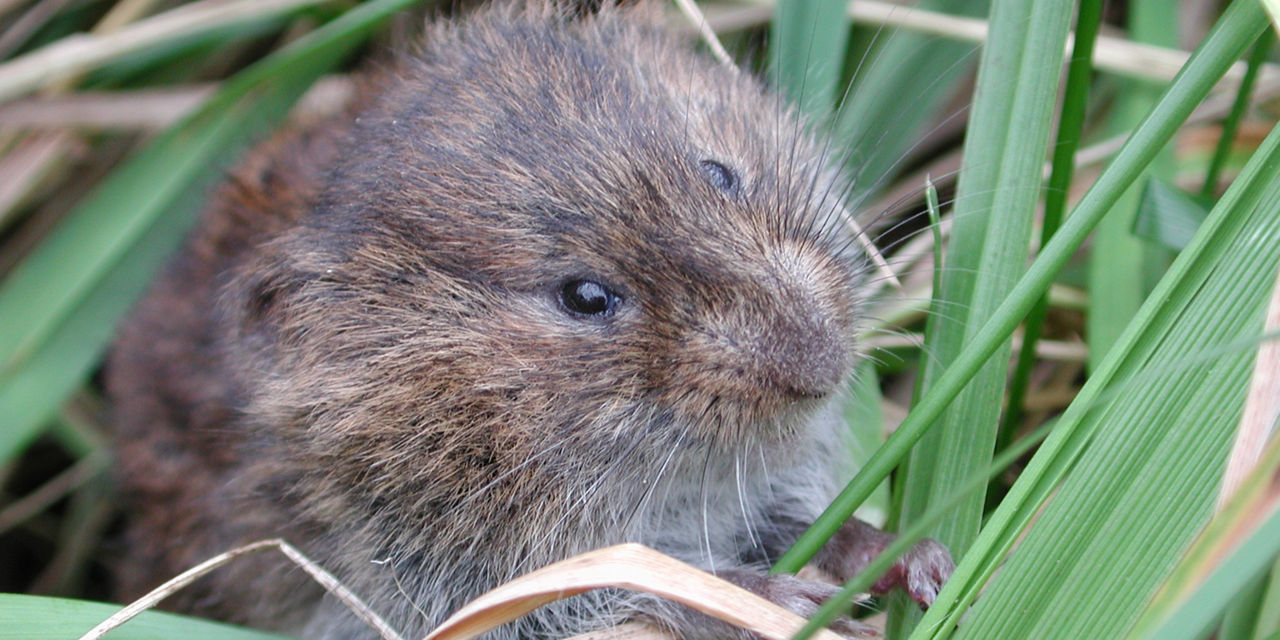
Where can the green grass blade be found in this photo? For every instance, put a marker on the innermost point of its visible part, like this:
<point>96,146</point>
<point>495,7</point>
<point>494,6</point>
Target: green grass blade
<point>1240,24</point>
<point>865,416</point>
<point>1167,216</point>
<point>1269,614</point>
<point>807,43</point>
<point>1120,265</point>
<point>60,304</point>
<point>1240,622</point>
<point>1144,441</point>
<point>1070,128</point>
<point>900,88</point>
<point>1232,123</point>
<point>862,583</point>
<point>1236,548</point>
<point>1005,147</point>
<point>25,617</point>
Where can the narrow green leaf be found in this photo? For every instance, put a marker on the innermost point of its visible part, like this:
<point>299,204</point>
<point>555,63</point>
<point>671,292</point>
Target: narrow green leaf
<point>1005,146</point>
<point>807,44</point>
<point>1120,265</point>
<point>25,617</point>
<point>862,583</point>
<point>1243,613</point>
<point>1269,615</point>
<point>1143,442</point>
<point>900,87</point>
<point>1167,215</point>
<point>866,420</point>
<point>1236,548</point>
<point>1232,123</point>
<point>1075,100</point>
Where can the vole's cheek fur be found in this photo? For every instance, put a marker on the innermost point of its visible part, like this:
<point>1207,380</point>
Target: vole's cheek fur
<point>365,348</point>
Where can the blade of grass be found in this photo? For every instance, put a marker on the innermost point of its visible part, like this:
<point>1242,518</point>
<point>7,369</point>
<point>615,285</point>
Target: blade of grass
<point>24,617</point>
<point>1231,124</point>
<point>1144,440</point>
<point>61,304</point>
<point>1075,100</point>
<point>1239,25</point>
<point>807,42</point>
<point>1236,547</point>
<point>1005,146</point>
<point>865,416</point>
<point>1269,615</point>
<point>1116,55</point>
<point>1167,216</point>
<point>1120,265</point>
<point>862,583</point>
<point>887,106</point>
<point>1257,425</point>
<point>1240,622</point>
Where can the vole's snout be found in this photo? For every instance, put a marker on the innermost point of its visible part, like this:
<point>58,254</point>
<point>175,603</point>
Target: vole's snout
<point>766,354</point>
<point>804,357</point>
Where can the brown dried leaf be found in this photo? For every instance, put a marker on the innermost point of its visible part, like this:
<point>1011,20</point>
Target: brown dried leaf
<point>625,566</point>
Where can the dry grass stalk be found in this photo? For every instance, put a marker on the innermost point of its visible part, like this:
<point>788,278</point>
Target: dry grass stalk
<point>27,164</point>
<point>317,573</point>
<point>56,145</point>
<point>80,53</point>
<point>147,110</point>
<point>27,24</point>
<point>699,21</point>
<point>1116,55</point>
<point>143,110</point>
<point>55,489</point>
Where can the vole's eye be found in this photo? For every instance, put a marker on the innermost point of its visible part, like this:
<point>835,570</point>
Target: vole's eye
<point>588,298</point>
<point>721,176</point>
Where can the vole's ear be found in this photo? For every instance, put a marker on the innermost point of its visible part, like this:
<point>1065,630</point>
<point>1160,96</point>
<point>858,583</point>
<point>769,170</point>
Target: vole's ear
<point>256,302</point>
<point>586,7</point>
<point>582,8</point>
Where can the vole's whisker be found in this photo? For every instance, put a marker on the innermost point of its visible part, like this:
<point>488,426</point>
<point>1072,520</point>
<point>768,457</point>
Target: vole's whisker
<point>748,522</point>
<point>706,524</point>
<point>642,502</point>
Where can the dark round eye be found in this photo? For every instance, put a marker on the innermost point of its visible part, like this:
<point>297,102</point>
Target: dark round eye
<point>588,298</point>
<point>721,176</point>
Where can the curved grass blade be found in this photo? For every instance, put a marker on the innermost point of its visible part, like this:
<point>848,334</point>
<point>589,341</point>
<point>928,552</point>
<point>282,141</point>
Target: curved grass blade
<point>24,617</point>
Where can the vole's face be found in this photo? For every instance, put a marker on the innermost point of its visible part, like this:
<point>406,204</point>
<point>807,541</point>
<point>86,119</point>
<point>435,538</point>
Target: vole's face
<point>562,238</point>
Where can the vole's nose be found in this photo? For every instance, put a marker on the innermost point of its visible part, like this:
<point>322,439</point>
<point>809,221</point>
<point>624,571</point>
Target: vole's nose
<point>804,356</point>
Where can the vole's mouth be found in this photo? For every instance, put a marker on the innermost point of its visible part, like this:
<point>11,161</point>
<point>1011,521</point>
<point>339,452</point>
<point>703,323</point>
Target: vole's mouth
<point>733,425</point>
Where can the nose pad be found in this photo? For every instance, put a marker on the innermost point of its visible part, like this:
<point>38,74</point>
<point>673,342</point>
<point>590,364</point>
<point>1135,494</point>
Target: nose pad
<point>806,357</point>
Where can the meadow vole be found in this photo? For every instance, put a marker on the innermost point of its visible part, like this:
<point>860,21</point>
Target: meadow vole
<point>555,283</point>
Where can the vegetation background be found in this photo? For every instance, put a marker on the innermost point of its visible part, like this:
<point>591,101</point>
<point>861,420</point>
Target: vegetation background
<point>1081,354</point>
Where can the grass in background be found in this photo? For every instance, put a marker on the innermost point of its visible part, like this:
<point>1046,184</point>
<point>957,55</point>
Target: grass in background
<point>1124,484</point>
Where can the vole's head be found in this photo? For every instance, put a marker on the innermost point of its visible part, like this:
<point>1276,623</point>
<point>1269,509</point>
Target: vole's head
<point>554,235</point>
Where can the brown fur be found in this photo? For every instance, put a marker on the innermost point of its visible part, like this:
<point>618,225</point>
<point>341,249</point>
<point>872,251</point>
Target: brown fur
<point>362,350</point>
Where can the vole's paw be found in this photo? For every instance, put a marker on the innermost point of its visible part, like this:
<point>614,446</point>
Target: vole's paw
<point>800,596</point>
<point>921,572</point>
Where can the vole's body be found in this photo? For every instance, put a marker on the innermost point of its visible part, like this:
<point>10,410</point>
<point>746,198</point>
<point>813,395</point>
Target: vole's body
<point>370,349</point>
